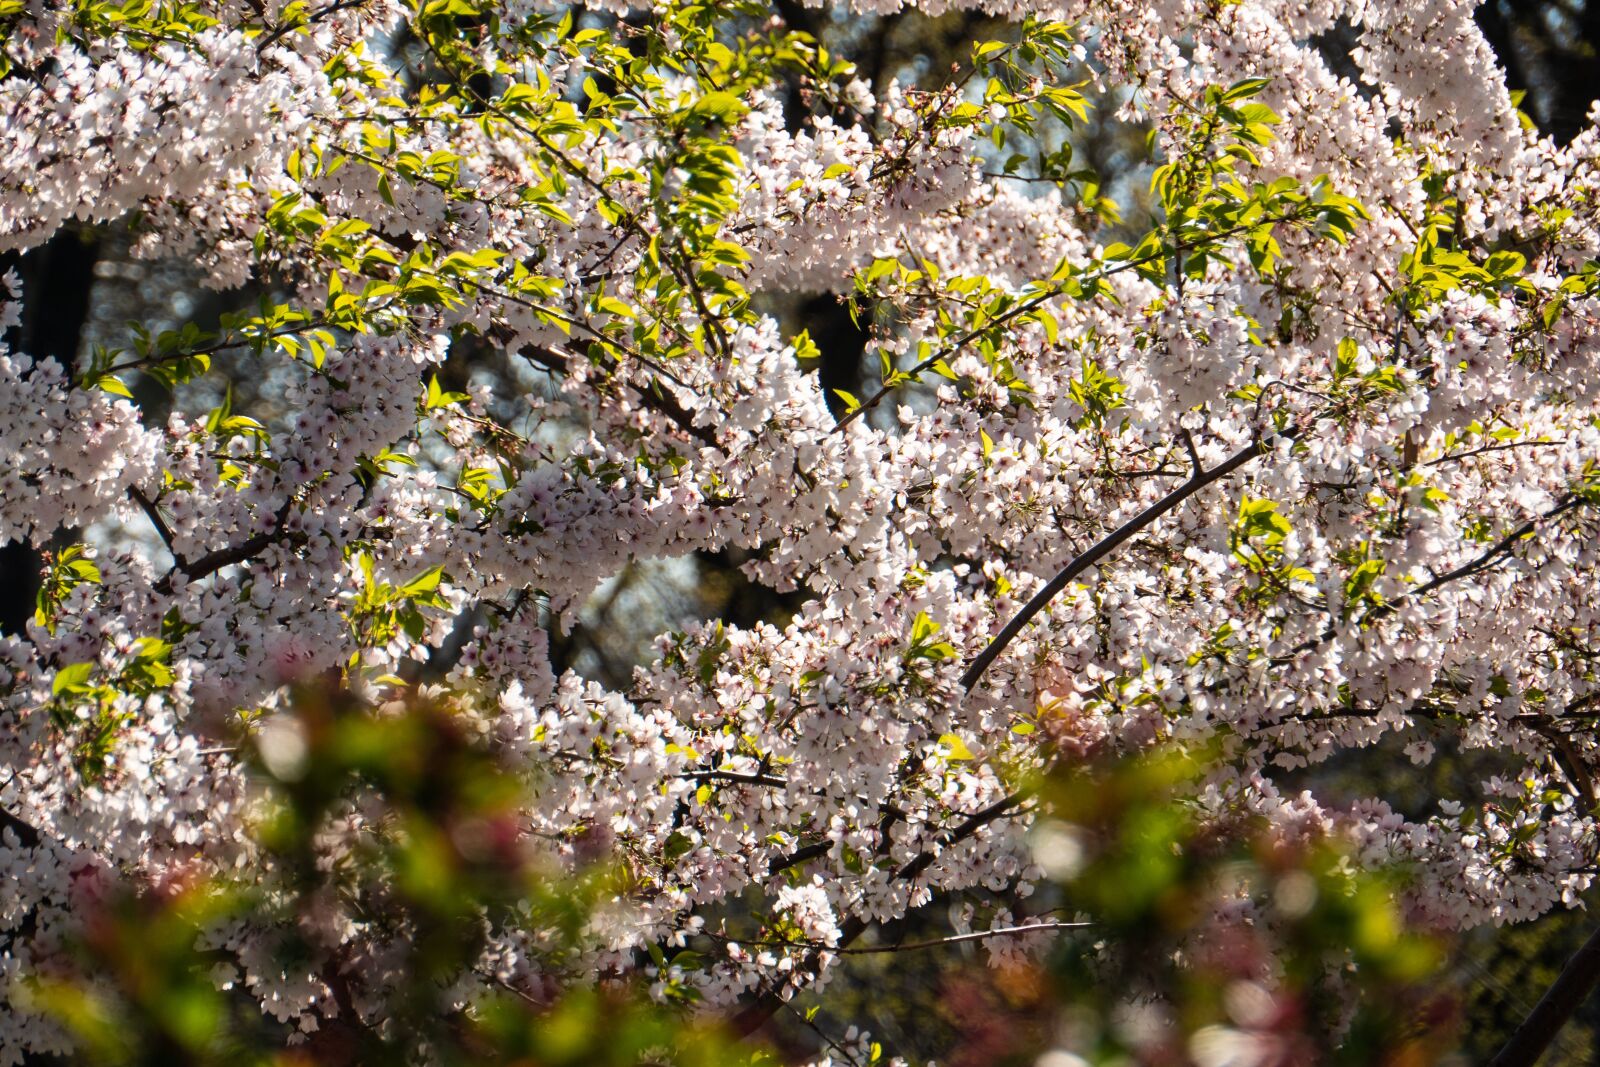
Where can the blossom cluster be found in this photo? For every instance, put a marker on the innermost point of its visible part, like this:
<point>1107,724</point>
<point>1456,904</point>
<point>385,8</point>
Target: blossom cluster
<point>1332,420</point>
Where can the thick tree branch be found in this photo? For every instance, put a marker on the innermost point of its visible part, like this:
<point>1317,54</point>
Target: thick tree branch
<point>1500,548</point>
<point>735,776</point>
<point>801,855</point>
<point>1570,989</point>
<point>162,529</point>
<point>245,550</point>
<point>961,939</point>
<point>1105,546</point>
<point>1483,561</point>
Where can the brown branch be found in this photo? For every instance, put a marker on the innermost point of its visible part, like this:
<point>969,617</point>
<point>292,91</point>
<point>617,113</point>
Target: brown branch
<point>958,939</point>
<point>1566,757</point>
<point>799,856</point>
<point>245,550</point>
<point>1483,561</point>
<point>735,776</point>
<point>223,345</point>
<point>1105,546</point>
<point>162,529</point>
<point>1500,548</point>
<point>312,19</point>
<point>948,350</point>
<point>1565,995</point>
<point>1485,449</point>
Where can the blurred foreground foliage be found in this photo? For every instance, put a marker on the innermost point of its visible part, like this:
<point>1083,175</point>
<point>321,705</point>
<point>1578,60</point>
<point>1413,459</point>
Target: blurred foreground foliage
<point>1206,941</point>
<point>1219,942</point>
<point>1209,942</point>
<point>449,853</point>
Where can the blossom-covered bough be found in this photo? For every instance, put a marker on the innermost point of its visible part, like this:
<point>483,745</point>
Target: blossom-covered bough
<point>1310,463</point>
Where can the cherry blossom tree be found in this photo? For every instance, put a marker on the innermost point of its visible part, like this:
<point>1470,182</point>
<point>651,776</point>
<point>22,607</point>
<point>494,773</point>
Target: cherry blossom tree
<point>1307,464</point>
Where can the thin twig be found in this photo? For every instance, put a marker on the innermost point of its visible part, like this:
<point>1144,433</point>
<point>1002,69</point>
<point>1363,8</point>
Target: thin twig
<point>755,1014</point>
<point>948,350</point>
<point>288,26</point>
<point>734,776</point>
<point>904,946</point>
<point>1457,456</point>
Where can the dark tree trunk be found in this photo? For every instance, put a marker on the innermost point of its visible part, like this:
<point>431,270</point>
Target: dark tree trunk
<point>56,278</point>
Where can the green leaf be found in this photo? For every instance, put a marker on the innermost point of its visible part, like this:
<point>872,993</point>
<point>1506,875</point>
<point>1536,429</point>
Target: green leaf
<point>1345,359</point>
<point>956,750</point>
<point>1506,264</point>
<point>879,268</point>
<point>438,398</point>
<point>425,583</point>
<point>719,107</point>
<point>110,383</point>
<point>1260,518</point>
<point>805,348</point>
<point>1052,329</point>
<point>71,678</point>
<point>1240,90</point>
<point>151,648</point>
<point>1361,579</point>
